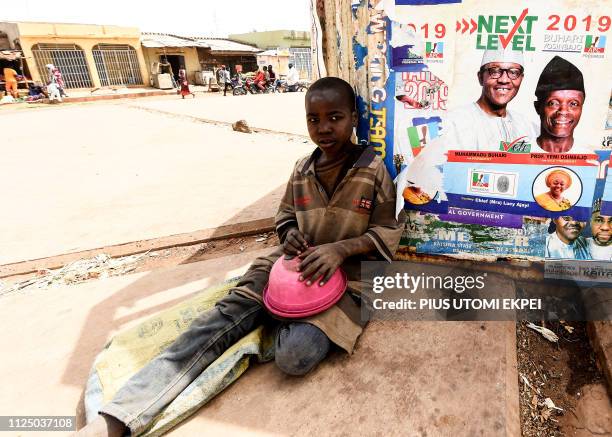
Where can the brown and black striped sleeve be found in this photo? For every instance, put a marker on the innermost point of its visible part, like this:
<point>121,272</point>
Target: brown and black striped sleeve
<point>285,217</point>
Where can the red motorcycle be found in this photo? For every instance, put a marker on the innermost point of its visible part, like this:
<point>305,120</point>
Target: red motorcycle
<point>249,84</point>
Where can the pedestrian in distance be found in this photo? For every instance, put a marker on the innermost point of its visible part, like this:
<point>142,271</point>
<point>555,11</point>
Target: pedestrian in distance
<point>184,83</point>
<point>57,76</point>
<point>224,79</point>
<point>293,77</point>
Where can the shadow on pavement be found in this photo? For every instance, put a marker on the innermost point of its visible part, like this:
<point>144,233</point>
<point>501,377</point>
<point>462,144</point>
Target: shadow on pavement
<point>103,319</point>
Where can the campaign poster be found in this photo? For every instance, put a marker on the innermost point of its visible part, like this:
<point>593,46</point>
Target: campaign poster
<point>606,201</point>
<point>588,239</point>
<point>432,234</point>
<point>544,185</point>
<point>528,83</point>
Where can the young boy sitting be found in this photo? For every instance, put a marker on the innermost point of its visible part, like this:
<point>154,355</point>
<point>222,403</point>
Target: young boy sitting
<point>338,206</point>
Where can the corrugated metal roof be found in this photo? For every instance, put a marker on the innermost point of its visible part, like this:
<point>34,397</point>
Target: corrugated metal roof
<point>167,40</point>
<point>225,45</point>
<point>271,52</point>
<point>275,52</point>
<point>151,39</point>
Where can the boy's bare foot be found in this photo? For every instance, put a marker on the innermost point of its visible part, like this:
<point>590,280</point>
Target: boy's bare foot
<point>102,426</point>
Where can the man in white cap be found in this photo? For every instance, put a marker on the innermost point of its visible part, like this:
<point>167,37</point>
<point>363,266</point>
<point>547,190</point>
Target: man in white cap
<point>487,124</point>
<point>600,244</point>
<point>560,98</point>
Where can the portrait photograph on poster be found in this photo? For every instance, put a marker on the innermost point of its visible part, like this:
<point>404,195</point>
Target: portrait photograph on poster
<point>497,121</point>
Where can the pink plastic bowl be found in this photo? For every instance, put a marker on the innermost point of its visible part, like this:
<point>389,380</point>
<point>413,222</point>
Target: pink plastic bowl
<point>286,296</point>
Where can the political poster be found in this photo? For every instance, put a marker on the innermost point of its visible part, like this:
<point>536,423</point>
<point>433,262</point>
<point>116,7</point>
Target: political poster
<point>544,185</point>
<point>588,239</point>
<point>606,204</point>
<point>490,116</point>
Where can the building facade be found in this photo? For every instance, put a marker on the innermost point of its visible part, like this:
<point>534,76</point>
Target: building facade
<point>94,56</point>
<point>196,53</point>
<point>88,55</point>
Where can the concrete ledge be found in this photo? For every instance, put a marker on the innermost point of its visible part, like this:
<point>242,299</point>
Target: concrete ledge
<point>115,96</point>
<point>118,250</point>
<point>405,379</point>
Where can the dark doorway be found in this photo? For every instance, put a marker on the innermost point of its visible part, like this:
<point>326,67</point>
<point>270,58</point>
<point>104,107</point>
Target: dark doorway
<point>176,62</point>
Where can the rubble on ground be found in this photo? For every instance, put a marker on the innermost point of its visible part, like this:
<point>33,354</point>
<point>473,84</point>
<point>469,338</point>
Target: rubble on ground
<point>242,126</point>
<point>100,266</point>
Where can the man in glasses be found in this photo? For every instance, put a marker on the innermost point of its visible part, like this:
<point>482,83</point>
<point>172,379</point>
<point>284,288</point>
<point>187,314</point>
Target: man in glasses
<point>600,244</point>
<point>488,124</point>
<point>565,241</point>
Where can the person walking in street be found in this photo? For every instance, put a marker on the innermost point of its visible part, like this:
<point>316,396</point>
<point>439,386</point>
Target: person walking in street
<point>59,81</point>
<point>224,79</point>
<point>53,89</point>
<point>184,83</point>
<point>293,78</point>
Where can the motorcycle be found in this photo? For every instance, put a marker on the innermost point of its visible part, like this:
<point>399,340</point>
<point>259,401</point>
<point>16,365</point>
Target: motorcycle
<point>299,86</point>
<point>272,86</point>
<point>238,87</point>
<point>251,87</point>
<point>243,87</point>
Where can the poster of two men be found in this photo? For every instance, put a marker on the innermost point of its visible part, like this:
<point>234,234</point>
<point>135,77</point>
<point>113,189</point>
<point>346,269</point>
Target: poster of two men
<point>514,83</point>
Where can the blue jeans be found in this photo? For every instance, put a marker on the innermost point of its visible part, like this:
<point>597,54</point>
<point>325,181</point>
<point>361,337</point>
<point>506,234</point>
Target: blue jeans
<point>299,348</point>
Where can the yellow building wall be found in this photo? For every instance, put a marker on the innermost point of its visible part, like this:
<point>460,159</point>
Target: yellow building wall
<point>86,36</point>
<point>280,64</point>
<point>192,62</point>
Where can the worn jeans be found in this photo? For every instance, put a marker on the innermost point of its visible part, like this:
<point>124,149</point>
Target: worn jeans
<point>299,348</point>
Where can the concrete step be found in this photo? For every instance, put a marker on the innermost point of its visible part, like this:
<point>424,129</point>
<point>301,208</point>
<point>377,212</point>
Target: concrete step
<point>405,378</point>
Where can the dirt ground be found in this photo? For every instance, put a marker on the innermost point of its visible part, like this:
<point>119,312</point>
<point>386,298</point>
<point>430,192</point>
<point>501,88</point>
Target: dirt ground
<point>566,373</point>
<point>156,259</point>
<point>123,171</point>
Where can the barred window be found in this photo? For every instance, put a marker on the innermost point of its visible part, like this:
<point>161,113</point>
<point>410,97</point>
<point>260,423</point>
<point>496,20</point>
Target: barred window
<point>117,64</point>
<point>301,58</point>
<point>69,58</point>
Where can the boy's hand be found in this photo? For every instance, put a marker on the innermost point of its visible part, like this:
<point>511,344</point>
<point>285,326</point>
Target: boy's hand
<point>295,242</point>
<point>321,262</point>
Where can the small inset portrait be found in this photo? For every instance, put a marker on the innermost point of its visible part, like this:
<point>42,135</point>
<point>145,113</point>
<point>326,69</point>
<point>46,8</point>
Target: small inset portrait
<point>557,189</point>
<point>417,196</point>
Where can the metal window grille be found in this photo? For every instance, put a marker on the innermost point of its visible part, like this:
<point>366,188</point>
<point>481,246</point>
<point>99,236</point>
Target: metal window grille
<point>117,64</point>
<point>302,60</point>
<point>69,58</point>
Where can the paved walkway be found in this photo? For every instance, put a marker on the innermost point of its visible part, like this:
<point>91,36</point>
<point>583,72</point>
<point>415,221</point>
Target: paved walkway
<point>84,176</point>
<point>405,378</point>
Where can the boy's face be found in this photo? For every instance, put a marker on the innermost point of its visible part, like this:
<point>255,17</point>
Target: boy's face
<point>330,119</point>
